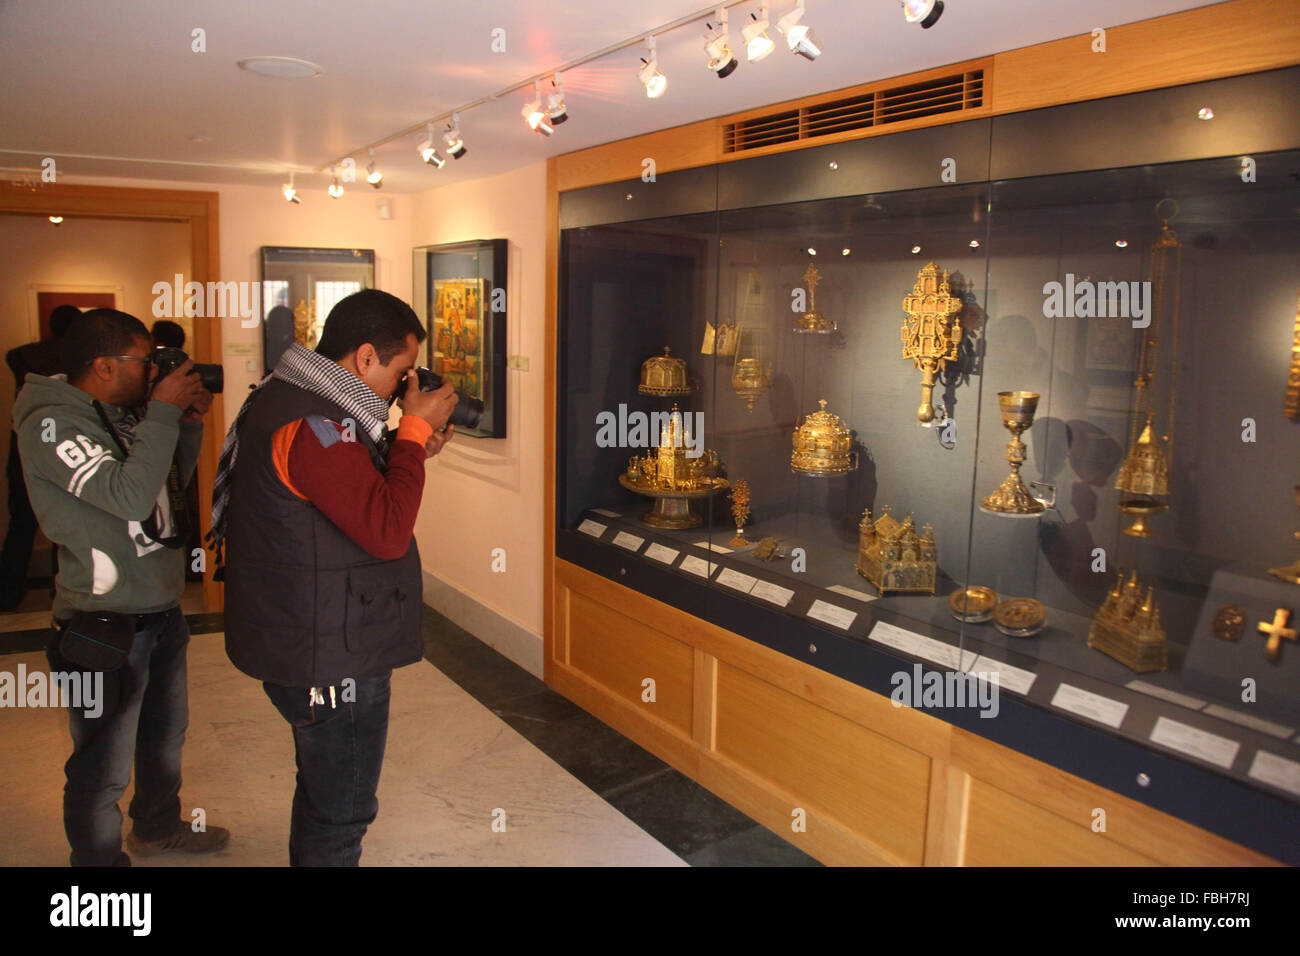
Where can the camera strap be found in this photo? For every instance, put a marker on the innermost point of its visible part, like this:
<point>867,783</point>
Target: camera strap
<point>175,494</point>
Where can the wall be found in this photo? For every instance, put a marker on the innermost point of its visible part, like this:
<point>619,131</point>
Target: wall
<point>87,255</point>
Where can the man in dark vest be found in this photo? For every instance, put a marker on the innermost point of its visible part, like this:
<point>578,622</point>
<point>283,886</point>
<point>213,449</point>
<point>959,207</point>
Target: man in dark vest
<point>315,507</point>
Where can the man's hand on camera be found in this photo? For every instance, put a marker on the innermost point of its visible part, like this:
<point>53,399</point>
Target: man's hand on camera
<point>180,388</point>
<point>199,408</point>
<point>434,407</point>
<point>436,441</point>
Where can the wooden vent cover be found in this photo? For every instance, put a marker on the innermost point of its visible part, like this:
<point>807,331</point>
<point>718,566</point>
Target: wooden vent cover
<point>955,93</point>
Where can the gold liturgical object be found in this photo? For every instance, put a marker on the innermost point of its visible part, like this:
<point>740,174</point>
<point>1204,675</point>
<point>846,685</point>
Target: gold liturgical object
<point>822,445</point>
<point>931,334</point>
<point>672,479</point>
<point>1292,571</point>
<point>1145,472</point>
<point>1012,497</point>
<point>812,320</point>
<point>894,557</point>
<point>664,375</point>
<point>750,376</point>
<point>1127,627</point>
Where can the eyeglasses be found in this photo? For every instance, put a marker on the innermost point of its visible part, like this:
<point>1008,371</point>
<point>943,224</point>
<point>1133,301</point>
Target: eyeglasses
<point>133,358</point>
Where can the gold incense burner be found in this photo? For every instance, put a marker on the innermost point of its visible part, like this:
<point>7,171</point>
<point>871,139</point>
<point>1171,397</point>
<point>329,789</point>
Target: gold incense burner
<point>664,375</point>
<point>1292,571</point>
<point>750,378</point>
<point>812,320</point>
<point>1127,627</point>
<point>1012,497</point>
<point>931,333</point>
<point>894,557</point>
<point>822,445</point>
<point>1145,473</point>
<point>672,479</point>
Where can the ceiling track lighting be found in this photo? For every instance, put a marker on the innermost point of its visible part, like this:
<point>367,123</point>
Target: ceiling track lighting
<point>427,151</point>
<point>655,82</point>
<point>374,176</point>
<point>336,188</point>
<point>535,114</point>
<point>290,194</point>
<point>757,43</point>
<point>455,143</point>
<point>799,37</point>
<point>718,46</point>
<point>924,12</point>
<point>555,105</point>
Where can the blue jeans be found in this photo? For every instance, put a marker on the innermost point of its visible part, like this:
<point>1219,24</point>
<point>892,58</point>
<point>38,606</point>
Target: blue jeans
<point>340,752</point>
<point>144,718</point>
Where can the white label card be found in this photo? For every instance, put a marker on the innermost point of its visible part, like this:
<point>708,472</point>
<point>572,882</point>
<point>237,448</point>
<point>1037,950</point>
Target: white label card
<point>831,614</point>
<point>696,566</point>
<point>710,546</point>
<point>772,592</point>
<point>1281,731</point>
<point>1004,675</point>
<point>734,579</point>
<point>1183,700</point>
<point>660,553</point>
<point>1276,770</point>
<point>627,540</point>
<point>593,528</point>
<point>1209,747</point>
<point>1085,703</point>
<point>920,646</point>
<point>850,592</point>
<point>606,512</point>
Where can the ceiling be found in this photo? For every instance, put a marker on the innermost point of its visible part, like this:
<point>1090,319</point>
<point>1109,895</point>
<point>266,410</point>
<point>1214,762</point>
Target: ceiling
<point>114,89</point>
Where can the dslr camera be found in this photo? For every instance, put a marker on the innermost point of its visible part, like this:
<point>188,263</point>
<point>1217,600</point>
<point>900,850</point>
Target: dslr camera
<point>467,410</point>
<point>169,360</point>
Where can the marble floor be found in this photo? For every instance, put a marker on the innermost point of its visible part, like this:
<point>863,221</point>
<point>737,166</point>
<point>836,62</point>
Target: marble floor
<point>470,733</point>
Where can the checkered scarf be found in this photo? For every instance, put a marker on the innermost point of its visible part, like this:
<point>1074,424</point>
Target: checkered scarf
<point>317,374</point>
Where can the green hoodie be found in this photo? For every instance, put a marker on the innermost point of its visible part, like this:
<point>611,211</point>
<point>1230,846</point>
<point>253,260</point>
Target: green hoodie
<point>91,502</point>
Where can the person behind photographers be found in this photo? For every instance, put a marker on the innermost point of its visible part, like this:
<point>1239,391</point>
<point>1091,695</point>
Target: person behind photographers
<point>103,453</point>
<point>315,508</point>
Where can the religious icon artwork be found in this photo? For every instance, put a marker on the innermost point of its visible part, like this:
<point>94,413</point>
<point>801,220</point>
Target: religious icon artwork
<point>458,333</point>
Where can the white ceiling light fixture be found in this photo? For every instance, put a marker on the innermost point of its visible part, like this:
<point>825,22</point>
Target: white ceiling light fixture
<point>535,114</point>
<point>56,220</point>
<point>799,37</point>
<point>655,82</point>
<point>280,67</point>
<point>374,176</point>
<point>427,151</point>
<point>718,46</point>
<point>455,143</point>
<point>290,194</point>
<point>336,188</point>
<point>556,108</point>
<point>757,43</point>
<point>924,12</point>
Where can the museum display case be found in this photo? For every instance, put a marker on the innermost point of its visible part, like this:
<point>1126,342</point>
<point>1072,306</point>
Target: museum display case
<point>1005,398</point>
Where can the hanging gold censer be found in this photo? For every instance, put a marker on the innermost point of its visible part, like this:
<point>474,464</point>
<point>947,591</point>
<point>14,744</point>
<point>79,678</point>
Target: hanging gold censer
<point>750,376</point>
<point>812,320</point>
<point>1145,472</point>
<point>931,333</point>
<point>1012,497</point>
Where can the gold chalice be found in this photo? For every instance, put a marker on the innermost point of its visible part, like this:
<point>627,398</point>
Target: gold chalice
<point>1012,497</point>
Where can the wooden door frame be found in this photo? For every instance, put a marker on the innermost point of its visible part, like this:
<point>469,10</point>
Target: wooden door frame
<point>199,210</point>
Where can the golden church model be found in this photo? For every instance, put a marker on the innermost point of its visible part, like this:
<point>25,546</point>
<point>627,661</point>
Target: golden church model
<point>1127,627</point>
<point>894,557</point>
<point>672,478</point>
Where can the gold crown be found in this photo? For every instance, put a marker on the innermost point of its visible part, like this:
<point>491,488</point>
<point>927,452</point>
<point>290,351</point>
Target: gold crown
<point>664,375</point>
<point>822,445</point>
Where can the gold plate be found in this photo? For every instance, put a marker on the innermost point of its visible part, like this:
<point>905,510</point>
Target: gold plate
<point>973,604</point>
<point>1229,622</point>
<point>1020,617</point>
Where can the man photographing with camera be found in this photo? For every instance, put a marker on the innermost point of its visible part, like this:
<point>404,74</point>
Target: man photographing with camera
<point>315,505</point>
<point>106,452</point>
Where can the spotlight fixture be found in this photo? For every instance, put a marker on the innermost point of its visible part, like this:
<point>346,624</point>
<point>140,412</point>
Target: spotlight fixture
<point>427,151</point>
<point>845,252</point>
<point>717,45</point>
<point>455,144</point>
<point>925,12</point>
<point>56,220</point>
<point>974,243</point>
<point>799,37</point>
<point>535,113</point>
<point>757,43</point>
<point>555,105</point>
<point>1121,243</point>
<point>1205,113</point>
<point>655,82</point>
<point>374,176</point>
<point>812,251</point>
<point>290,194</point>
<point>915,250</point>
<point>336,188</point>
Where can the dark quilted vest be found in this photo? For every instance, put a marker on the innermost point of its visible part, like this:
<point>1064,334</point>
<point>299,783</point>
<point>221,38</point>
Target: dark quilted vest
<point>305,606</point>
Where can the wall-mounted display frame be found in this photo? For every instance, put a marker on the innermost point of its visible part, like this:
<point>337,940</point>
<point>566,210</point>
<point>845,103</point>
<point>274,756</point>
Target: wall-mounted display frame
<point>306,282</point>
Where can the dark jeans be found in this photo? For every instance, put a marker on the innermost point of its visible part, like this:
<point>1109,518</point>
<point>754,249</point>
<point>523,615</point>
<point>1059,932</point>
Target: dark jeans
<point>21,536</point>
<point>145,714</point>
<point>340,752</point>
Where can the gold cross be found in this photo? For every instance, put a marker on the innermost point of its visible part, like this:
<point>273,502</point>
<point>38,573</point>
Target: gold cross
<point>1276,631</point>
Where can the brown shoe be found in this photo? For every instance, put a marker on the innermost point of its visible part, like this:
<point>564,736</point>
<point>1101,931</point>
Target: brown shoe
<point>181,839</point>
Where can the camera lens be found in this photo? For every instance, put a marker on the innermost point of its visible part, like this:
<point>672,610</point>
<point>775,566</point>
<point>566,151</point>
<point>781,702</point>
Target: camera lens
<point>467,411</point>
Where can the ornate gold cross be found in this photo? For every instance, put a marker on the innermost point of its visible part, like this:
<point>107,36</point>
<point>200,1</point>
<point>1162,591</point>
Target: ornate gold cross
<point>1276,631</point>
<point>931,335</point>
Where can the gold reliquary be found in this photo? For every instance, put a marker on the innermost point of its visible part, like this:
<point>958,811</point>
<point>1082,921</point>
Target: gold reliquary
<point>823,445</point>
<point>672,478</point>
<point>931,332</point>
<point>812,320</point>
<point>664,375</point>
<point>1127,627</point>
<point>894,557</point>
